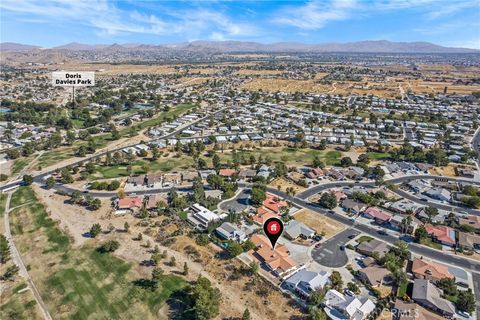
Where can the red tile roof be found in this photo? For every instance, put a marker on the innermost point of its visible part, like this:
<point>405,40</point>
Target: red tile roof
<point>378,214</point>
<point>273,203</point>
<point>227,172</point>
<point>129,202</point>
<point>441,233</point>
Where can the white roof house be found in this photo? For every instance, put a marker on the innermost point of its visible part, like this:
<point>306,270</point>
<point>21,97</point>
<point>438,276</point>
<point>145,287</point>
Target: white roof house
<point>200,216</point>
<point>340,307</point>
<point>305,282</point>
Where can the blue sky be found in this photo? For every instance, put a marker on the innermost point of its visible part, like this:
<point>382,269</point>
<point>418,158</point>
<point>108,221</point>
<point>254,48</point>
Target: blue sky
<point>51,23</point>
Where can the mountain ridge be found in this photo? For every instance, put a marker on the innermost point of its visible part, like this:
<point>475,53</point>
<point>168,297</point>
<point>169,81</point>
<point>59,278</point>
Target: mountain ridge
<point>231,46</point>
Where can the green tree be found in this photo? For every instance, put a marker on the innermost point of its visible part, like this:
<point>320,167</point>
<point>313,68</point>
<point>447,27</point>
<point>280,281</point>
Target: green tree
<point>4,249</point>
<point>95,230</point>
<point>234,249</point>
<point>206,299</point>
<point>27,179</point>
<point>336,279</point>
<point>346,162</point>
<point>466,301</point>
<point>10,273</point>
<point>246,315</point>
<point>185,268</point>
<point>50,182</point>
<point>258,194</point>
<point>328,200</point>
<point>109,246</point>
<point>216,162</point>
<point>157,274</point>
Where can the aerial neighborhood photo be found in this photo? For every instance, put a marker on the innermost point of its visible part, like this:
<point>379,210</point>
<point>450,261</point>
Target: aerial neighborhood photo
<point>240,160</point>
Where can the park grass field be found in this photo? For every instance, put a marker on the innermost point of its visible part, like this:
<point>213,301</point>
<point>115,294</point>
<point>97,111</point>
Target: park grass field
<point>290,156</point>
<point>82,283</point>
<point>20,163</point>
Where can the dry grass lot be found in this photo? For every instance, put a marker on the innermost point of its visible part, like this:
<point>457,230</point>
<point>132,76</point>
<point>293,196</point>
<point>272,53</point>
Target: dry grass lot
<point>319,223</point>
<point>443,171</point>
<point>284,184</point>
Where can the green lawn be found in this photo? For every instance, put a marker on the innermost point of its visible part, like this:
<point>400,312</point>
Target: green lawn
<point>165,165</point>
<point>3,202</point>
<point>378,155</point>
<point>428,242</point>
<point>363,239</point>
<point>82,283</point>
<point>402,289</point>
<point>291,156</point>
<point>54,156</point>
<point>20,163</point>
<point>102,140</point>
<point>22,195</point>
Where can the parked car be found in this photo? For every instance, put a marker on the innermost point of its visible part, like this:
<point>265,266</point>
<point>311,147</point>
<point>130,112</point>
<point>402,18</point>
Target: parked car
<point>317,238</point>
<point>349,293</point>
<point>464,314</point>
<point>342,248</point>
<point>318,245</point>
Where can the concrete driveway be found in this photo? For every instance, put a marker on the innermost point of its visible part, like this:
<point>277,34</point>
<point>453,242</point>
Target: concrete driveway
<point>329,254</point>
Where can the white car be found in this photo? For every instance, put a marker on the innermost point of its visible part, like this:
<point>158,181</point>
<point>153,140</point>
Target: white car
<point>464,314</point>
<point>349,293</point>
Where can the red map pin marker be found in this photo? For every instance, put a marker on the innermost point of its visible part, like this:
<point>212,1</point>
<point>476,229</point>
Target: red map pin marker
<point>273,229</point>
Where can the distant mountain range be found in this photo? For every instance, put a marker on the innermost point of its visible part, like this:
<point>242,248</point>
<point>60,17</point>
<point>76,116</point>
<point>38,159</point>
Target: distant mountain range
<point>378,46</point>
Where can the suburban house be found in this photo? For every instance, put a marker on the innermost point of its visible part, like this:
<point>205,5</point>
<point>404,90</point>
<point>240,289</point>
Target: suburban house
<point>374,245</point>
<point>353,206</point>
<point>154,179</point>
<point>128,204</point>
<point>227,173</point>
<point>295,229</point>
<point>374,275</point>
<point>405,206</point>
<point>153,201</point>
<point>229,231</point>
<point>339,306</point>
<point>200,217</point>
<point>189,176</point>
<point>442,234</point>
<point>424,269</point>
<point>468,241</point>
<point>304,282</point>
<point>438,194</point>
<point>378,215</point>
<point>136,180</point>
<point>246,174</point>
<point>427,295</point>
<point>473,221</point>
<point>171,179</point>
<point>263,215</point>
<point>274,204</point>
<point>276,260</point>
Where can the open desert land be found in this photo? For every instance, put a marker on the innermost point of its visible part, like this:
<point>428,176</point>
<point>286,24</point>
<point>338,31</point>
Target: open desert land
<point>81,279</point>
<point>259,72</point>
<point>106,69</point>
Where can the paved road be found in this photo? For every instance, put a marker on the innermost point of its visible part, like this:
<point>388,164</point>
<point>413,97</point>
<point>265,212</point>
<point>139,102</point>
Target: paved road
<point>17,259</point>
<point>239,203</point>
<point>414,248</point>
<point>476,290</point>
<point>321,187</point>
<point>338,184</point>
<point>437,205</point>
<point>330,254</point>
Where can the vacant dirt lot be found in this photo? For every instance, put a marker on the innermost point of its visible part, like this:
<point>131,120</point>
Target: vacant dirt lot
<point>284,184</point>
<point>320,223</point>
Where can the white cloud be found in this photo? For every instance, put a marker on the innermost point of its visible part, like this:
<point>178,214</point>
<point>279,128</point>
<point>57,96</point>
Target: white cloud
<point>111,20</point>
<point>315,14</point>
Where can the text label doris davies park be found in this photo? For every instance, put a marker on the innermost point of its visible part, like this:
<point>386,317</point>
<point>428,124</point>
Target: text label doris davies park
<point>71,78</point>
